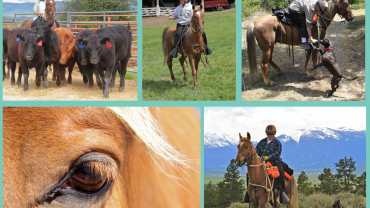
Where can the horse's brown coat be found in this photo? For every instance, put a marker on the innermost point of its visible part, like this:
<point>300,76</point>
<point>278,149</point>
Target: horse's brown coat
<point>49,14</point>
<point>168,40</point>
<point>256,174</point>
<point>40,144</point>
<point>268,30</point>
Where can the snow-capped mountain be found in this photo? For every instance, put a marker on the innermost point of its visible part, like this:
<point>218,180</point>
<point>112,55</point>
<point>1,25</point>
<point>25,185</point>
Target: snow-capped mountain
<point>310,150</point>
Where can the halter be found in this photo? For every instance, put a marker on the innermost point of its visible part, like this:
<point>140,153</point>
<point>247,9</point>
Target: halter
<point>196,24</point>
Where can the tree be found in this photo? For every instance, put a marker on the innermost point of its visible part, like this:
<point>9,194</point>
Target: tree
<point>345,172</point>
<point>222,195</point>
<point>304,186</point>
<point>328,183</point>
<point>210,195</point>
<point>234,184</point>
<point>361,184</point>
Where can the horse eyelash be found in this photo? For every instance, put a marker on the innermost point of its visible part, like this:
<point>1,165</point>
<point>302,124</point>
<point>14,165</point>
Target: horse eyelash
<point>106,170</point>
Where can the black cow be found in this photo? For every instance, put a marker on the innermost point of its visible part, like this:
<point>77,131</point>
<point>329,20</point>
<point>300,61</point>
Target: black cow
<point>108,48</point>
<point>51,44</point>
<point>6,33</point>
<point>87,69</point>
<point>26,48</point>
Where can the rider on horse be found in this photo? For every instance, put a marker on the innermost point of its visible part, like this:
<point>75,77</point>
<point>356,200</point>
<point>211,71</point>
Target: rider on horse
<point>183,14</point>
<point>302,13</point>
<point>269,149</point>
<point>39,8</point>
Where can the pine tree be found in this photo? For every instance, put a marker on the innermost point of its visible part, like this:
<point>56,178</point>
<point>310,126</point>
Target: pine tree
<point>304,186</point>
<point>345,172</point>
<point>361,184</point>
<point>328,182</point>
<point>210,195</point>
<point>223,198</point>
<point>233,182</point>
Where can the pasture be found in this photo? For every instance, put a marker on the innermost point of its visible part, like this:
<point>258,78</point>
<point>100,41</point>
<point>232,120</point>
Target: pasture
<point>215,83</point>
<point>75,91</point>
<point>349,48</point>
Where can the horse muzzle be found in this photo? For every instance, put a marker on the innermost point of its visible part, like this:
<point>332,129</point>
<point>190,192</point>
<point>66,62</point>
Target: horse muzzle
<point>350,18</point>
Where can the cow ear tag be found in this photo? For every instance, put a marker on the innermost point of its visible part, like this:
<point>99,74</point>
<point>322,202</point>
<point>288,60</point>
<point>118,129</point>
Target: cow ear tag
<point>39,43</point>
<point>81,46</point>
<point>18,39</point>
<point>108,44</point>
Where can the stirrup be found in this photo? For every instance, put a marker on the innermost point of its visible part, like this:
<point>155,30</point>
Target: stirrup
<point>173,53</point>
<point>283,197</point>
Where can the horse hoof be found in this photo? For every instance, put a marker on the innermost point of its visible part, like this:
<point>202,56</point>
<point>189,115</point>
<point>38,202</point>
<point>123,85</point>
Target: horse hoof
<point>196,88</point>
<point>281,73</point>
<point>185,79</point>
<point>174,81</point>
<point>272,83</point>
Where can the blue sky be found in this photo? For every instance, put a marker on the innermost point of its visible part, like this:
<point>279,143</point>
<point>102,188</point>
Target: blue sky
<point>231,121</point>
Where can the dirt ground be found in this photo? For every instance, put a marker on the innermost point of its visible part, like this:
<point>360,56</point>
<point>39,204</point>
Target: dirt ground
<point>75,91</point>
<point>295,85</point>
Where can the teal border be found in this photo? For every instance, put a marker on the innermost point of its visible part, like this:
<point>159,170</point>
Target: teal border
<point>202,104</point>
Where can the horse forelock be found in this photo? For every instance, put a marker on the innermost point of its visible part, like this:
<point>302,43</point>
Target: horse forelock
<point>146,130</point>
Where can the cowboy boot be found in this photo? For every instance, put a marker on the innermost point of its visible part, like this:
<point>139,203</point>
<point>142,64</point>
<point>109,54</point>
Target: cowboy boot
<point>207,50</point>
<point>173,53</point>
<point>283,197</point>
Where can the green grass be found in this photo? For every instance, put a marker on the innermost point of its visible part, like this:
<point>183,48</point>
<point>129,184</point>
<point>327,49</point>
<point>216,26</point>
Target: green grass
<point>129,75</point>
<point>217,83</point>
<point>215,178</point>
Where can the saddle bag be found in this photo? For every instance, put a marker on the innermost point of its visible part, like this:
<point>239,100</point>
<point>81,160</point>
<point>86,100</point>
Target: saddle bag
<point>272,171</point>
<point>288,169</point>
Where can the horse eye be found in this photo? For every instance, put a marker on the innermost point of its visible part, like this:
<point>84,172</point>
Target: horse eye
<point>84,180</point>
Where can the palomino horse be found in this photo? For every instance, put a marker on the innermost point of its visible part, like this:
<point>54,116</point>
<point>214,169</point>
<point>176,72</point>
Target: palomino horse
<point>268,30</point>
<point>248,155</point>
<point>101,157</point>
<point>193,45</point>
<point>49,15</point>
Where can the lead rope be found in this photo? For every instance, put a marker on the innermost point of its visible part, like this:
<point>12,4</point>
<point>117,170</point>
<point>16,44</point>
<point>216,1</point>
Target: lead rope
<point>268,190</point>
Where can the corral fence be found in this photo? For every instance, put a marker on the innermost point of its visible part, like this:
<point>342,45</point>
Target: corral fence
<point>76,25</point>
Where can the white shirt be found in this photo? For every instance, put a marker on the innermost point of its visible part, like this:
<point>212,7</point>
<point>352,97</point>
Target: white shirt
<point>42,7</point>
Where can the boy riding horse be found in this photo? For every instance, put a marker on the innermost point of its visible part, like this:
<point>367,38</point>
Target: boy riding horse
<point>183,14</point>
<point>302,13</point>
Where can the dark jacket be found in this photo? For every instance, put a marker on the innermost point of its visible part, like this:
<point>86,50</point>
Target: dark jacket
<point>272,150</point>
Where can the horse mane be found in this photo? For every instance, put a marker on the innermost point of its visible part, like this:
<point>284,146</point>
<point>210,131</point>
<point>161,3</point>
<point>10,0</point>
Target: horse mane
<point>189,31</point>
<point>146,130</point>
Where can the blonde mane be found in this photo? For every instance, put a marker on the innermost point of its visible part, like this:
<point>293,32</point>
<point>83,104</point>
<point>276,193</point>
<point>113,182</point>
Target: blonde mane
<point>147,131</point>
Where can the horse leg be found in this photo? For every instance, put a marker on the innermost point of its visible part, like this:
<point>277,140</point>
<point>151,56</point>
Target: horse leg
<point>194,71</point>
<point>182,60</point>
<point>264,64</point>
<point>314,60</point>
<point>272,63</point>
<point>308,56</point>
<point>169,63</point>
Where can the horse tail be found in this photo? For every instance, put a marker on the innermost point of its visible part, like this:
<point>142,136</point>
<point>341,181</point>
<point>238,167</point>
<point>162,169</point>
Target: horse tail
<point>251,45</point>
<point>164,45</point>
<point>294,191</point>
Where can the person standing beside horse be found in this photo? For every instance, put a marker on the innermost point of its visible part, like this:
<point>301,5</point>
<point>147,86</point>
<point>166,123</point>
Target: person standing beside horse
<point>183,14</point>
<point>302,13</point>
<point>269,149</point>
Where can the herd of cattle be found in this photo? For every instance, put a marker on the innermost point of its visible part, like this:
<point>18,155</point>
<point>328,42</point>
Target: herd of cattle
<point>106,49</point>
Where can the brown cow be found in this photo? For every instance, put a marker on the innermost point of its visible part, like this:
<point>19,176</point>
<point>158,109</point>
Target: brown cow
<point>101,157</point>
<point>67,45</point>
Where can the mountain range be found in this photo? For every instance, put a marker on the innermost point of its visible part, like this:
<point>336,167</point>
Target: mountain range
<point>309,150</point>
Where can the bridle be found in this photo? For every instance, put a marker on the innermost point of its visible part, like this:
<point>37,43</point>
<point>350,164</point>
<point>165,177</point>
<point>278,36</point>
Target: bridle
<point>245,160</point>
<point>196,24</point>
<point>346,10</point>
<point>48,11</point>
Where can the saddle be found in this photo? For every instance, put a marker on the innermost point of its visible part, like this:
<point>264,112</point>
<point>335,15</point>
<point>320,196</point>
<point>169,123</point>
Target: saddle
<point>284,16</point>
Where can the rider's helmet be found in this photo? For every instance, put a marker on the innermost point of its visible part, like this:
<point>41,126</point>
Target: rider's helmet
<point>270,129</point>
<point>323,5</point>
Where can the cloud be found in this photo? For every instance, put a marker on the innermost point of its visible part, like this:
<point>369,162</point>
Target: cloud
<point>231,121</point>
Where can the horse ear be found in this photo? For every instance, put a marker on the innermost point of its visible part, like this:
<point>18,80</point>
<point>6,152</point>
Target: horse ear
<point>193,6</point>
<point>201,6</point>
<point>240,136</point>
<point>248,136</point>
